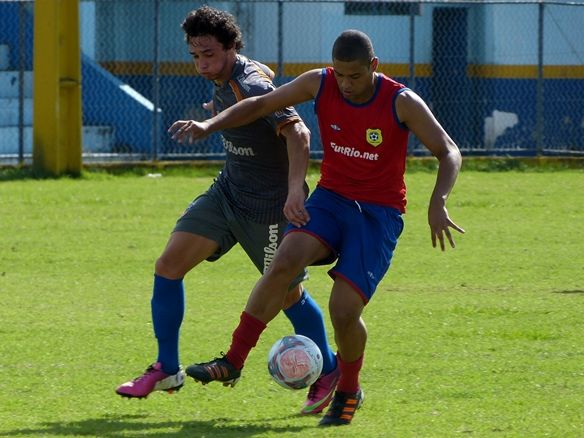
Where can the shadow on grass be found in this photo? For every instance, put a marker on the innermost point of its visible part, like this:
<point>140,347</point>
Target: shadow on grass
<point>568,292</point>
<point>133,426</point>
<point>21,173</point>
<point>199,169</point>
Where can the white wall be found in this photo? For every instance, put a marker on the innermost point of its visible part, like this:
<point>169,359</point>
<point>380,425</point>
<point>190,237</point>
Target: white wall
<point>499,33</point>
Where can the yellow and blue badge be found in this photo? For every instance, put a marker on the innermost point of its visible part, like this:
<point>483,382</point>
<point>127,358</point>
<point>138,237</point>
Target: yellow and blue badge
<point>374,137</point>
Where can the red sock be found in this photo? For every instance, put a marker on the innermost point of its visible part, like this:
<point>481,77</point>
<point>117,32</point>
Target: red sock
<point>349,380</point>
<point>244,338</point>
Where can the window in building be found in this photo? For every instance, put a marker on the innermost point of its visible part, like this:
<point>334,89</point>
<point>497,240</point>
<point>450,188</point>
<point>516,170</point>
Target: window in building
<point>381,8</point>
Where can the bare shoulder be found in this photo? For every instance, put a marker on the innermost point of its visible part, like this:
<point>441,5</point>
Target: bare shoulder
<point>408,97</point>
<point>409,104</point>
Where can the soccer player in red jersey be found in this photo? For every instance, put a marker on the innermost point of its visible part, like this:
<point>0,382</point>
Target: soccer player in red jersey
<point>354,216</point>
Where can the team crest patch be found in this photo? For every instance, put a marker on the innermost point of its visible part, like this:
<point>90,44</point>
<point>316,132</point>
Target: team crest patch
<point>374,137</point>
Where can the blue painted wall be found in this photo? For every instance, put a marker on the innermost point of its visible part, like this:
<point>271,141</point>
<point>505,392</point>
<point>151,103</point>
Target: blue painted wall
<point>106,103</point>
<point>10,33</point>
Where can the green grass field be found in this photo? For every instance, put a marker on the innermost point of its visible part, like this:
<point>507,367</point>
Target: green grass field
<point>483,340</point>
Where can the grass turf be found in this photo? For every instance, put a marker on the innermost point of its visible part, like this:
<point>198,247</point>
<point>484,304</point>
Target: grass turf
<point>483,340</point>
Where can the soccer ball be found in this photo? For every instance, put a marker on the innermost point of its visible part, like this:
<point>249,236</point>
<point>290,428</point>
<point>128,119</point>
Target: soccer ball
<point>295,362</point>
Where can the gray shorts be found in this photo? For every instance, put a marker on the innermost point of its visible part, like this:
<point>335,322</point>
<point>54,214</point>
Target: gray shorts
<point>212,216</point>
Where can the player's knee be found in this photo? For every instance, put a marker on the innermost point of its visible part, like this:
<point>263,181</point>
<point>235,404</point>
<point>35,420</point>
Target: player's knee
<point>343,321</point>
<point>167,268</point>
<point>285,265</point>
<point>343,317</point>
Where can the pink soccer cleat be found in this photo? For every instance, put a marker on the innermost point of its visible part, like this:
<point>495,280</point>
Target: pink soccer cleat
<point>321,392</point>
<point>153,379</point>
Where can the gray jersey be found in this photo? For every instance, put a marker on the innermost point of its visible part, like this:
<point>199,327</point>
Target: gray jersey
<point>255,176</point>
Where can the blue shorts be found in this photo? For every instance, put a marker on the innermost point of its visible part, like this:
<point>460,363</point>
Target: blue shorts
<point>361,236</point>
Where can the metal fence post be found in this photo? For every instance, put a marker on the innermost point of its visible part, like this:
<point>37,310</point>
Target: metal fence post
<point>156,81</point>
<point>539,128</point>
<point>280,72</point>
<point>21,69</point>
<point>412,78</point>
<point>412,63</point>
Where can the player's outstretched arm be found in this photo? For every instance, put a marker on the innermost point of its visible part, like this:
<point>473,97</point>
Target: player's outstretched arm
<point>301,89</point>
<point>413,112</point>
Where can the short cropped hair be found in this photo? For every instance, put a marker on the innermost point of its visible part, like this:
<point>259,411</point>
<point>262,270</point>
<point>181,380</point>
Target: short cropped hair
<point>353,45</point>
<point>214,22</point>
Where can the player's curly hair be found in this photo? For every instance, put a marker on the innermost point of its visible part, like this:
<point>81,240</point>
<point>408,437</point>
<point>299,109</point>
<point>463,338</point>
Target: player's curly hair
<point>209,21</point>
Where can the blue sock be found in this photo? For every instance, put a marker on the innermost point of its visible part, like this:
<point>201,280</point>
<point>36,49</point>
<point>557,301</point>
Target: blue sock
<point>307,320</point>
<point>168,307</point>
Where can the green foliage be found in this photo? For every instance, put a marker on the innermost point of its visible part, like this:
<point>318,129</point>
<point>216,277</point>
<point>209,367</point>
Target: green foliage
<point>483,340</point>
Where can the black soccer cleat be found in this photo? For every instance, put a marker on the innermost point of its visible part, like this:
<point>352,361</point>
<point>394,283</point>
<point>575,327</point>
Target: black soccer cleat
<point>342,408</point>
<point>216,370</point>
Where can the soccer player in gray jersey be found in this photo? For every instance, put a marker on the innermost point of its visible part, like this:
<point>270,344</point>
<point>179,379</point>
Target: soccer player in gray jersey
<point>259,190</point>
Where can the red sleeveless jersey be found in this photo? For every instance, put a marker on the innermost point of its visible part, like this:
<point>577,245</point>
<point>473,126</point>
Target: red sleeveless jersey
<point>364,145</point>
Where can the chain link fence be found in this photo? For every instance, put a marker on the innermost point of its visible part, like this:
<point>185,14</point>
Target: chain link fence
<point>503,78</point>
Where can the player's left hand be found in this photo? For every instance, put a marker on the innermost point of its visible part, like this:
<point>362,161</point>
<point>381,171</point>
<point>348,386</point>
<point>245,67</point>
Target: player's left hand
<point>188,130</point>
<point>294,209</point>
<point>209,106</point>
<point>440,224</point>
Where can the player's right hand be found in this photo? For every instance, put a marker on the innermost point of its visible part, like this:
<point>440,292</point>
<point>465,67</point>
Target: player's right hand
<point>294,208</point>
<point>440,224</point>
<point>188,130</point>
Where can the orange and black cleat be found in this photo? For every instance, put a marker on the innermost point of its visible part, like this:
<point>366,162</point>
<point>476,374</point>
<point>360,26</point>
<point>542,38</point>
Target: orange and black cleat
<point>218,369</point>
<point>342,408</point>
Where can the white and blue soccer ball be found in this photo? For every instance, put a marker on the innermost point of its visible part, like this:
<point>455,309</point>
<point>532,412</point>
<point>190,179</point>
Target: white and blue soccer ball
<point>295,362</point>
